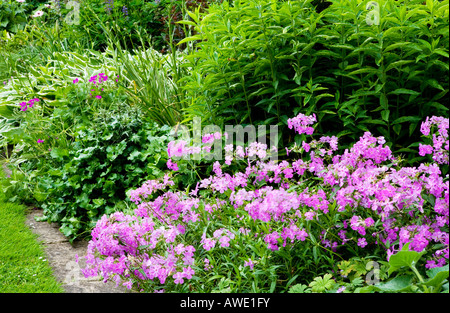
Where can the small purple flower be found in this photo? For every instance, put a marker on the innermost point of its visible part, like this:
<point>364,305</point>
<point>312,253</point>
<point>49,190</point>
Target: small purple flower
<point>40,140</point>
<point>362,242</point>
<point>249,263</point>
<point>75,80</point>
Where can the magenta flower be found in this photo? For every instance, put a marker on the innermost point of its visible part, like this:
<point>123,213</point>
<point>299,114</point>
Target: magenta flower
<point>98,97</point>
<point>425,149</point>
<point>75,80</point>
<point>362,242</point>
<point>40,140</point>
<point>23,106</point>
<point>171,165</point>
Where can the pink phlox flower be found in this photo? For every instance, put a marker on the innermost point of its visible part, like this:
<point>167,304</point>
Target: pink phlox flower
<point>425,149</point>
<point>188,272</point>
<point>362,242</point>
<point>249,263</point>
<point>172,166</point>
<point>217,169</point>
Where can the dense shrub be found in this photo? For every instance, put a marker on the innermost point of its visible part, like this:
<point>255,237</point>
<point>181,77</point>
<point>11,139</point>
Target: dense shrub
<point>13,15</point>
<point>260,61</point>
<point>155,19</point>
<point>116,152</point>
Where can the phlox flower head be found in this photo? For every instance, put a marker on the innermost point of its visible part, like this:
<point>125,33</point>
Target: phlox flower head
<point>300,123</point>
<point>208,266</point>
<point>217,169</point>
<point>425,149</point>
<point>309,215</point>
<point>362,242</point>
<point>176,149</point>
<point>172,166</point>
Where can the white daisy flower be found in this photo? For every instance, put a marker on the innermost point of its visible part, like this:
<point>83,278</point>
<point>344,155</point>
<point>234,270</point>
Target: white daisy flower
<point>38,13</point>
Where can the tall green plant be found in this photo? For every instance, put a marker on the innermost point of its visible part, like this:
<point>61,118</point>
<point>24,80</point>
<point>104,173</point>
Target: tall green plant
<point>258,61</point>
<point>152,76</point>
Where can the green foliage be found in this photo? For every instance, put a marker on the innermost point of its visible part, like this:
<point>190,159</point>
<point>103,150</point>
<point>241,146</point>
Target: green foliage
<point>152,77</point>
<point>13,15</point>
<point>321,284</point>
<point>411,280</point>
<point>260,61</point>
<point>352,281</point>
<point>117,152</point>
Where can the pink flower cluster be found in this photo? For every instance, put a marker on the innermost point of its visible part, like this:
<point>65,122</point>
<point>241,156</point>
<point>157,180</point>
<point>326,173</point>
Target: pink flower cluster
<point>221,235</point>
<point>440,146</point>
<point>96,81</point>
<point>124,242</point>
<point>25,105</point>
<point>300,123</point>
<point>370,199</point>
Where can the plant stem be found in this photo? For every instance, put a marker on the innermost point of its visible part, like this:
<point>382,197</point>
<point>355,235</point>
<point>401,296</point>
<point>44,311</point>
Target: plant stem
<point>414,269</point>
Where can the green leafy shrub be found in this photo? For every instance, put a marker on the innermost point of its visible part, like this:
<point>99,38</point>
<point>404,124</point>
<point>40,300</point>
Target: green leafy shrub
<point>118,151</point>
<point>127,18</point>
<point>260,61</point>
<point>13,15</point>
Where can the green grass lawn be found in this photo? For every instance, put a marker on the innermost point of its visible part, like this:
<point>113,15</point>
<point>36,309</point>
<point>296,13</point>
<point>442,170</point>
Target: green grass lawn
<point>23,264</point>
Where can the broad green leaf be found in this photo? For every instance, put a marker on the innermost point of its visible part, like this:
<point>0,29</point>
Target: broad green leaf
<point>59,153</point>
<point>7,111</point>
<point>396,45</point>
<point>397,128</point>
<point>384,102</point>
<point>434,83</point>
<point>404,258</point>
<point>385,115</point>
<point>437,276</point>
<point>371,121</point>
<point>398,284</point>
